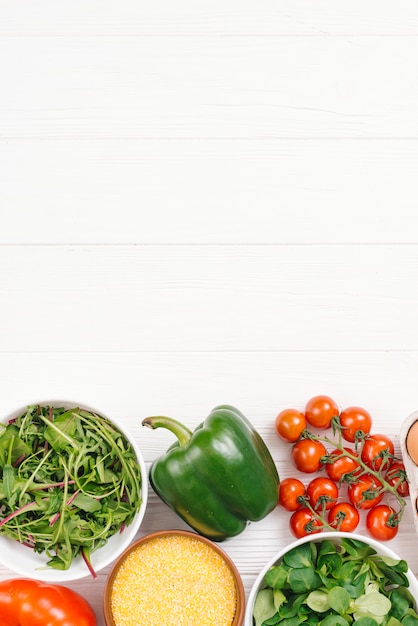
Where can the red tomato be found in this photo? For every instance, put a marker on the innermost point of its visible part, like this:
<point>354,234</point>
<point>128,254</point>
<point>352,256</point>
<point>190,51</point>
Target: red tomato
<point>307,454</point>
<point>320,410</point>
<point>290,489</point>
<point>375,450</point>
<point>355,420</point>
<point>341,465</point>
<point>365,492</point>
<point>31,602</point>
<point>382,522</point>
<point>397,477</point>
<point>322,493</point>
<point>344,516</point>
<point>303,522</point>
<point>290,424</point>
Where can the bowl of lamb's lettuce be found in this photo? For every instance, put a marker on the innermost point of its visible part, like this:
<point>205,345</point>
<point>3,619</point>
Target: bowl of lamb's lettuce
<point>334,579</point>
<point>73,490</point>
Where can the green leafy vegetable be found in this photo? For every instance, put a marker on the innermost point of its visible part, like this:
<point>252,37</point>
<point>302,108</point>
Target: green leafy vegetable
<point>328,584</point>
<point>69,480</point>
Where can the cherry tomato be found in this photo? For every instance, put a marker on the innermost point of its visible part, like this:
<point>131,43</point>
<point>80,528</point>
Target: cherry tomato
<point>344,516</point>
<point>306,455</point>
<point>354,420</point>
<point>397,477</point>
<point>365,492</point>
<point>320,410</point>
<point>341,465</point>
<point>290,424</point>
<point>382,522</point>
<point>376,450</point>
<point>290,489</point>
<point>303,522</point>
<point>322,493</point>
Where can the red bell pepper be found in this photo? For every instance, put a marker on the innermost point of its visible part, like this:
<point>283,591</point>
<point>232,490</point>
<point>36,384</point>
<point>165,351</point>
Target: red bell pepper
<point>27,602</point>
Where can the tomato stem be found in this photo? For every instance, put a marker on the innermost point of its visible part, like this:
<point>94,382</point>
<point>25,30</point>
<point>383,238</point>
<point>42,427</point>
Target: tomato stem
<point>354,477</point>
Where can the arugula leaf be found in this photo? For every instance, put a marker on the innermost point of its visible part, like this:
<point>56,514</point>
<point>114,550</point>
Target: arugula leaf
<point>69,480</point>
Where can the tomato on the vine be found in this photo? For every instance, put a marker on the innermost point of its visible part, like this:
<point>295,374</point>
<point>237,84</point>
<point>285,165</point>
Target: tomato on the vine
<point>377,449</point>
<point>340,465</point>
<point>290,424</point>
<point>322,493</point>
<point>320,410</point>
<point>303,522</point>
<point>365,492</point>
<point>306,455</point>
<point>382,522</point>
<point>397,477</point>
<point>344,516</point>
<point>290,489</point>
<point>355,420</point>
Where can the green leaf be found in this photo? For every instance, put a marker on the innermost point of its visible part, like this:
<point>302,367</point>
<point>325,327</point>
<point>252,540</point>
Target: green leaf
<point>400,604</point>
<point>9,476</point>
<point>318,601</point>
<point>399,564</point>
<point>339,600</point>
<point>264,606</point>
<point>276,577</point>
<point>304,579</point>
<point>60,432</point>
<point>293,606</point>
<point>12,447</point>
<point>87,503</point>
<point>291,621</point>
<point>334,620</point>
<point>301,556</point>
<point>356,548</point>
<point>373,603</point>
<point>279,598</point>
<point>366,621</point>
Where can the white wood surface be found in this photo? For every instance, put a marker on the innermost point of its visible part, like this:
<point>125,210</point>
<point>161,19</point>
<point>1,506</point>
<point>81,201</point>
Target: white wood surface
<point>210,203</point>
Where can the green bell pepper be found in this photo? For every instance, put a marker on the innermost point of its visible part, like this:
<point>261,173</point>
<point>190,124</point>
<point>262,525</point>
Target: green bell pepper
<point>217,478</point>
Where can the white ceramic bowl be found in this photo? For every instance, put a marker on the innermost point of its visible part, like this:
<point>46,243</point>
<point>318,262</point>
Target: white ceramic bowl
<point>334,536</point>
<point>25,562</point>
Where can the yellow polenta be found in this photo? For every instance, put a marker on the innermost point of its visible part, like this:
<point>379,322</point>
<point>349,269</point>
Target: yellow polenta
<point>173,580</point>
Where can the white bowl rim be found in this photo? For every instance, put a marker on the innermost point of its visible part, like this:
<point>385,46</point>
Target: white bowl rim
<point>35,566</point>
<point>332,534</point>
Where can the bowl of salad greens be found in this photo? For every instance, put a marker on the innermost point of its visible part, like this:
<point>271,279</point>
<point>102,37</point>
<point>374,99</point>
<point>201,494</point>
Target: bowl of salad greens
<point>73,490</point>
<point>334,579</point>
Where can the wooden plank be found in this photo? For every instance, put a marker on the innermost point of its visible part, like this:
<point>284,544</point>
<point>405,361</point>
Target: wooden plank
<point>132,385</point>
<point>163,18</point>
<point>208,87</point>
<point>180,191</point>
<point>194,298</point>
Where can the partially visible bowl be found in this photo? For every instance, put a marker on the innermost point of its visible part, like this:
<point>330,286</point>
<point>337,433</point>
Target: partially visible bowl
<point>23,560</point>
<point>174,576</point>
<point>335,537</point>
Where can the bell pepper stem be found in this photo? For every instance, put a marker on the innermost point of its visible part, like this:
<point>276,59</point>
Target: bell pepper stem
<point>182,433</point>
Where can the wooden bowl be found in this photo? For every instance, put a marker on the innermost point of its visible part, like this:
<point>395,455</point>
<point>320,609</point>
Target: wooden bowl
<point>173,568</point>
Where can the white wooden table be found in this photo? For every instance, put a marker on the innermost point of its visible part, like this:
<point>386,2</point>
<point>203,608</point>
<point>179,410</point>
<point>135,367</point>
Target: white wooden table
<point>210,203</point>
